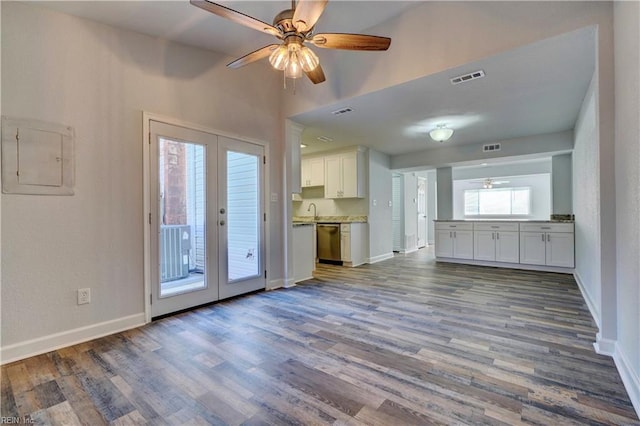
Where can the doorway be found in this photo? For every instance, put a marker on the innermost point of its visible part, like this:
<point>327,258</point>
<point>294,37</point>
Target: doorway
<point>206,217</point>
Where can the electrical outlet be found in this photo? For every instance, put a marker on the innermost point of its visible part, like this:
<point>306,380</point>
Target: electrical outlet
<point>84,296</point>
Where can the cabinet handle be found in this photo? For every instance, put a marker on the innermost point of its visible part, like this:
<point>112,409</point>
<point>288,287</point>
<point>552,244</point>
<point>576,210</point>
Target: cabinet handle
<point>497,235</point>
<point>454,234</point>
<point>543,238</point>
<point>493,235</point>
<point>450,234</point>
<point>548,237</point>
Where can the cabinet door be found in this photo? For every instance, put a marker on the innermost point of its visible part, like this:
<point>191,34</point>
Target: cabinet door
<point>315,171</point>
<point>560,249</point>
<point>507,247</point>
<point>532,248</point>
<point>349,175</point>
<point>444,243</point>
<point>332,177</point>
<point>463,244</point>
<point>484,245</point>
<point>305,170</point>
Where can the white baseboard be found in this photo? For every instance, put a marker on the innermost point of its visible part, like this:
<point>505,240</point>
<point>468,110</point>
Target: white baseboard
<point>289,282</point>
<point>45,344</point>
<point>274,284</point>
<point>380,258</point>
<point>604,346</point>
<point>593,308</point>
<point>630,378</point>
<point>522,266</point>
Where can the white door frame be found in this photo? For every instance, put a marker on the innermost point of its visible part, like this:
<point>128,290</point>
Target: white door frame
<point>146,192</point>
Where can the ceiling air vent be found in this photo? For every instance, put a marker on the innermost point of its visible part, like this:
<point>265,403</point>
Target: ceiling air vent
<point>467,77</point>
<point>342,111</point>
<point>491,147</point>
<point>324,139</point>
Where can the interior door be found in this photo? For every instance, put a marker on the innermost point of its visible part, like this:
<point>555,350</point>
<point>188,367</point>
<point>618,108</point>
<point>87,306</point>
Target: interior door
<point>422,212</point>
<point>207,218</point>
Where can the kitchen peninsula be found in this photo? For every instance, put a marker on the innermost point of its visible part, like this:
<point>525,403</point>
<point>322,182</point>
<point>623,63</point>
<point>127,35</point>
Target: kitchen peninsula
<point>519,244</point>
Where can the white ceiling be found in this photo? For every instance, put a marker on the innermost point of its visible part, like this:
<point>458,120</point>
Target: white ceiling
<point>179,21</point>
<point>532,90</point>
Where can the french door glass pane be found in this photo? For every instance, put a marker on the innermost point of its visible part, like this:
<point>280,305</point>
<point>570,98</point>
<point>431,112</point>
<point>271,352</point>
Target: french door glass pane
<point>243,209</point>
<point>182,209</point>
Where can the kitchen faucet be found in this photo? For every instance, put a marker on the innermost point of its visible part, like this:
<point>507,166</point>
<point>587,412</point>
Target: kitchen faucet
<point>315,212</point>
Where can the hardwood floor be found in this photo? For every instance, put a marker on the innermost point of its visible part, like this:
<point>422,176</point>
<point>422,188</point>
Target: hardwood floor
<point>405,341</point>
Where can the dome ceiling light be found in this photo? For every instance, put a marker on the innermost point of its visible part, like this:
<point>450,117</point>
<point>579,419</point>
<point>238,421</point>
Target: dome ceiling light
<point>441,133</point>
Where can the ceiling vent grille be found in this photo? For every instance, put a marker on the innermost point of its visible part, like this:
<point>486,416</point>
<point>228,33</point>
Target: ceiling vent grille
<point>324,139</point>
<point>342,111</point>
<point>467,77</point>
<point>492,147</point>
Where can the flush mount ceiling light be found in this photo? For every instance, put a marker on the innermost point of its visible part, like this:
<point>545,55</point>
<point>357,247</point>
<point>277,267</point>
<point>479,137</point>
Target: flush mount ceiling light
<point>303,145</point>
<point>441,133</point>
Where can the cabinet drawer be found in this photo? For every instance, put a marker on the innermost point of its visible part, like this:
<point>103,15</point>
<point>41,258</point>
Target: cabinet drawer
<point>495,226</point>
<point>546,227</point>
<point>462,226</point>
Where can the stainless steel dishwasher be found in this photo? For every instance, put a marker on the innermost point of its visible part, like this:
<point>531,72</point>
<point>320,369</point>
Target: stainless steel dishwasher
<point>329,242</point>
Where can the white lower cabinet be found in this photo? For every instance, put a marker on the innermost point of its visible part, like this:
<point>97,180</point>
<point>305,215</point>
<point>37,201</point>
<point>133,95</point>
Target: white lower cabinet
<point>496,242</point>
<point>526,243</point>
<point>549,245</point>
<point>353,243</point>
<point>454,239</point>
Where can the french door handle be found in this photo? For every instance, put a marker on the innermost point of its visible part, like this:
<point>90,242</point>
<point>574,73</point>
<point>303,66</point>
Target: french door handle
<point>222,210</point>
<point>222,223</point>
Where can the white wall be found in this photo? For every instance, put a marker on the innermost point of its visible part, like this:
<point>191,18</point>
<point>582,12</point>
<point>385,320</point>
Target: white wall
<point>540,185</point>
<point>586,200</point>
<point>561,184</point>
<point>380,233</point>
<point>444,193</point>
<point>99,79</point>
<point>627,157</point>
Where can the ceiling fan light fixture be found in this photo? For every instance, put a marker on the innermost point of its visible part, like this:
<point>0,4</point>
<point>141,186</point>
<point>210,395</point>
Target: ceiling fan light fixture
<point>293,68</point>
<point>278,59</point>
<point>308,59</point>
<point>441,133</point>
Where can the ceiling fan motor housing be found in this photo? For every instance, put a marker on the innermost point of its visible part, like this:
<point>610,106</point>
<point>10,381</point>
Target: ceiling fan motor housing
<point>284,21</point>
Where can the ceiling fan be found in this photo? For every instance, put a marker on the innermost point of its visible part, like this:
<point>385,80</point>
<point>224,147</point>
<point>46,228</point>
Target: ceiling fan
<point>489,182</point>
<point>294,27</point>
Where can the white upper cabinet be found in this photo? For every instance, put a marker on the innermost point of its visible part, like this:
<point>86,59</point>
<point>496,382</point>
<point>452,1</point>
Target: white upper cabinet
<point>312,172</point>
<point>344,175</point>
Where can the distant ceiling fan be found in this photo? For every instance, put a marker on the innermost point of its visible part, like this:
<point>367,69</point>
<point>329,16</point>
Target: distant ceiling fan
<point>294,27</point>
<point>489,182</point>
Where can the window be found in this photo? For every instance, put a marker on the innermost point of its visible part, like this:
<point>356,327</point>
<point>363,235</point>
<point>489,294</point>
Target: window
<point>497,202</point>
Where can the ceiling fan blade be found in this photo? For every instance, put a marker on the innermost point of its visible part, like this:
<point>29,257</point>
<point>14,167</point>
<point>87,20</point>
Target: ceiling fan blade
<point>256,55</point>
<point>351,41</point>
<point>317,75</point>
<point>235,16</point>
<point>307,13</point>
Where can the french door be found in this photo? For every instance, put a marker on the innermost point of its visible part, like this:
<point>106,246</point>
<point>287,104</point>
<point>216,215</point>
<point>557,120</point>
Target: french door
<point>207,218</point>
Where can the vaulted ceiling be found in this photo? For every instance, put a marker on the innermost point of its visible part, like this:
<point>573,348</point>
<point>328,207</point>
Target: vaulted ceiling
<point>531,90</point>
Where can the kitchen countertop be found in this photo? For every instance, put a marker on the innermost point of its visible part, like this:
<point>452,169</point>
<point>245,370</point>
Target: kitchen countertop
<point>330,219</point>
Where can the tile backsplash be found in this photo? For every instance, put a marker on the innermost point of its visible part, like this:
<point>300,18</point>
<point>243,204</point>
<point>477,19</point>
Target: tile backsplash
<point>328,207</point>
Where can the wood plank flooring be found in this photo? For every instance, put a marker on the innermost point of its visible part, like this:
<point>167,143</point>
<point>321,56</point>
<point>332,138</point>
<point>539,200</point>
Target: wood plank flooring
<point>403,342</point>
